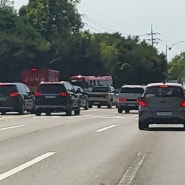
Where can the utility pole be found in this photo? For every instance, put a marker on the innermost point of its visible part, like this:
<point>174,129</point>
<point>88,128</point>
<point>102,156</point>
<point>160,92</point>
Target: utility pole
<point>153,39</point>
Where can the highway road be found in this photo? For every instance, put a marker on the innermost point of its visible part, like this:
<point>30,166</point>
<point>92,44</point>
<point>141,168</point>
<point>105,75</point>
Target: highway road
<point>99,147</point>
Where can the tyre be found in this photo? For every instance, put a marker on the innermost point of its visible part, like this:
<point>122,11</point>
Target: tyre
<point>110,105</point>
<point>21,111</point>
<point>3,112</point>
<point>86,106</point>
<point>90,105</point>
<point>48,113</point>
<point>99,106</point>
<point>37,113</point>
<point>120,110</point>
<point>142,125</point>
<point>77,112</point>
<point>69,111</point>
<point>127,111</point>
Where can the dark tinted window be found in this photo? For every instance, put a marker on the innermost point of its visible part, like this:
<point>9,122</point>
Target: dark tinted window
<point>135,90</point>
<point>100,89</point>
<point>7,89</point>
<point>164,91</point>
<point>51,88</point>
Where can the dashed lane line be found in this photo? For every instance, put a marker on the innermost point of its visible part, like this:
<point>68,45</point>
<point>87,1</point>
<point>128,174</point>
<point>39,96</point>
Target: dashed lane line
<point>106,128</point>
<point>17,126</point>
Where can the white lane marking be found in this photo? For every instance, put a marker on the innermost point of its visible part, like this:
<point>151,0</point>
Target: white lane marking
<point>110,117</point>
<point>25,165</point>
<point>6,128</point>
<point>106,128</point>
<point>132,170</point>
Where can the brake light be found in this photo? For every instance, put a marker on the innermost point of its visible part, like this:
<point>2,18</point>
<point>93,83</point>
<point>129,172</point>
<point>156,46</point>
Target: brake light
<point>183,104</point>
<point>37,94</point>
<point>142,103</point>
<point>14,94</point>
<point>122,99</point>
<point>163,86</point>
<point>63,93</point>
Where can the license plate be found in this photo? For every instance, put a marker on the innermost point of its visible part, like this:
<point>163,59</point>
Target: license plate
<point>131,105</point>
<point>96,103</point>
<point>164,114</point>
<point>2,99</point>
<point>50,96</point>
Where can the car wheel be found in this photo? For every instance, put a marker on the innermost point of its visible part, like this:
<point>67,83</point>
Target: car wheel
<point>77,112</point>
<point>69,111</point>
<point>142,125</point>
<point>90,105</point>
<point>110,105</point>
<point>48,113</point>
<point>21,111</point>
<point>37,113</point>
<point>99,106</point>
<point>86,106</point>
<point>127,111</point>
<point>120,110</point>
<point>3,112</point>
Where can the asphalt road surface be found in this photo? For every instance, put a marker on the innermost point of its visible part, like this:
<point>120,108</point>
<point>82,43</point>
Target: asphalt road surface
<point>98,147</point>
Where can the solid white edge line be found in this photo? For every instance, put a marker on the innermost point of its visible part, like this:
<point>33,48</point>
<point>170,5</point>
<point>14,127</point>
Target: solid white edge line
<point>106,128</point>
<point>25,165</point>
<point>6,128</point>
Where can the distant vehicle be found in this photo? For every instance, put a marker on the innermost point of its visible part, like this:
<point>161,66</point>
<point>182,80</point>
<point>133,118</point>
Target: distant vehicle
<point>34,76</point>
<point>162,103</point>
<point>88,82</point>
<point>84,102</point>
<point>15,97</point>
<point>102,96</point>
<point>128,97</point>
<point>56,97</point>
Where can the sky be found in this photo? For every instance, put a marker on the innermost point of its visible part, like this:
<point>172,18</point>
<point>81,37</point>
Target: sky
<point>136,18</point>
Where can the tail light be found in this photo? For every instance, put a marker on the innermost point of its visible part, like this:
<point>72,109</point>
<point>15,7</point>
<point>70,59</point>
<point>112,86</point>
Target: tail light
<point>37,94</point>
<point>142,103</point>
<point>183,104</point>
<point>121,100</point>
<point>63,93</point>
<point>14,94</point>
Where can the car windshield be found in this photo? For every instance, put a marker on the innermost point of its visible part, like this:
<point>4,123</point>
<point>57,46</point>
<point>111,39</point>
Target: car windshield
<point>51,88</point>
<point>6,89</point>
<point>136,90</point>
<point>164,91</point>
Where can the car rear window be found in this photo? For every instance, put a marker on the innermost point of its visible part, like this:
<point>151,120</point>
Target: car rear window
<point>100,89</point>
<point>164,91</point>
<point>51,88</point>
<point>135,90</point>
<point>7,89</point>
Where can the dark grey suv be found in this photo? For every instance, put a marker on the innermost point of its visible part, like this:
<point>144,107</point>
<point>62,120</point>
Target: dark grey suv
<point>162,103</point>
<point>15,97</point>
<point>56,97</point>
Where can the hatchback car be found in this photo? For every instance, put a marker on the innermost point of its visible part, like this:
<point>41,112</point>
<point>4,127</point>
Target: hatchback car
<point>162,103</point>
<point>15,97</point>
<point>84,102</point>
<point>56,97</point>
<point>128,97</point>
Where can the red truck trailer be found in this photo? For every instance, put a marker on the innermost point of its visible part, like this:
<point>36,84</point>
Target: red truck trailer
<point>34,76</point>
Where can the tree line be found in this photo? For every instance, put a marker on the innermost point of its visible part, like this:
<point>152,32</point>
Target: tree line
<point>49,34</point>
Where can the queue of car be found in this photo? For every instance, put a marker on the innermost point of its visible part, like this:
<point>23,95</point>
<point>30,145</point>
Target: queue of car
<point>157,103</point>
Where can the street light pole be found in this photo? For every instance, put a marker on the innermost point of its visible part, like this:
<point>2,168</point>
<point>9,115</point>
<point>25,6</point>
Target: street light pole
<point>170,47</point>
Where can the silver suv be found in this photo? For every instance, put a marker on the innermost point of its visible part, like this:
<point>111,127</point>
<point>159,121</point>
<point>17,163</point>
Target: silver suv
<point>162,103</point>
<point>128,97</point>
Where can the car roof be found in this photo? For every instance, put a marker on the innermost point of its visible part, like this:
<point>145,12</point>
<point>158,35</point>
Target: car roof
<point>161,83</point>
<point>61,82</point>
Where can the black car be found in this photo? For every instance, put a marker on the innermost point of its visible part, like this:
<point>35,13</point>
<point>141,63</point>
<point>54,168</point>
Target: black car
<point>84,103</point>
<point>15,97</point>
<point>56,97</point>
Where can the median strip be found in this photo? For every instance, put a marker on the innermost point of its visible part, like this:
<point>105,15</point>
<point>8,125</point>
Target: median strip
<point>25,165</point>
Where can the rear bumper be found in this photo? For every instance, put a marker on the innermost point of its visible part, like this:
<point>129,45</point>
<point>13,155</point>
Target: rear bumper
<point>51,108</point>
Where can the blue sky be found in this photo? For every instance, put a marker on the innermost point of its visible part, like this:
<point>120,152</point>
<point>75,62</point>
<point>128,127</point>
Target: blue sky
<point>135,17</point>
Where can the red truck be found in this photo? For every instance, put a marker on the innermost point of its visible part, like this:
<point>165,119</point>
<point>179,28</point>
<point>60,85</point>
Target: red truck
<point>34,76</point>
